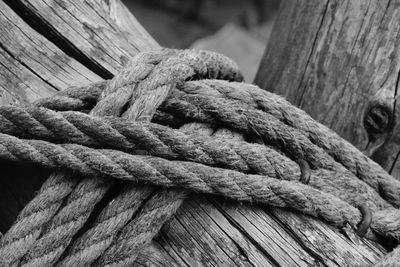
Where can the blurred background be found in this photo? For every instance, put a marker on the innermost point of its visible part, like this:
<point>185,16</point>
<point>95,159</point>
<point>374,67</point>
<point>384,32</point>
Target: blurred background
<point>239,29</point>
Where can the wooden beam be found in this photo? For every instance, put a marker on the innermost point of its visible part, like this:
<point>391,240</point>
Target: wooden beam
<point>340,62</point>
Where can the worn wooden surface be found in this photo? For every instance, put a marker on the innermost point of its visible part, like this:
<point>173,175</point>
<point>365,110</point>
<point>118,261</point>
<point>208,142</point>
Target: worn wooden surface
<point>84,41</point>
<point>340,61</point>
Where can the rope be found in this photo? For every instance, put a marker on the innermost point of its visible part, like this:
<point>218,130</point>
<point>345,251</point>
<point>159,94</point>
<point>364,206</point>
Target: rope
<point>68,229</point>
<point>185,64</point>
<point>128,244</point>
<point>193,176</point>
<point>265,115</point>
<point>165,142</point>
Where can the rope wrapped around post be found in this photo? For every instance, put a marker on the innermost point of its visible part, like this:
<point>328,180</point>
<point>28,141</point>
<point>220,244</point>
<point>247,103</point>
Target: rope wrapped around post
<point>58,226</point>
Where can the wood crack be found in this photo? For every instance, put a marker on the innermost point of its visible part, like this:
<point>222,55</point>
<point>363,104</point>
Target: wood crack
<point>394,119</point>
<point>27,67</point>
<point>311,53</point>
<point>301,242</point>
<point>241,250</point>
<point>250,238</point>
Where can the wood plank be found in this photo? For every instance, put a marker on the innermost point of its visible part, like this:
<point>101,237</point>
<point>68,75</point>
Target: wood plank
<point>85,28</point>
<point>267,233</point>
<point>340,62</point>
<point>326,243</point>
<point>299,238</point>
<point>204,237</point>
<point>156,256</point>
<point>126,22</point>
<point>38,67</point>
<point>18,85</point>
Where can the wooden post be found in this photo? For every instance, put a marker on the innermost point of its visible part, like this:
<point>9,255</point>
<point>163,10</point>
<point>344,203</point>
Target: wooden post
<point>48,45</point>
<point>340,62</point>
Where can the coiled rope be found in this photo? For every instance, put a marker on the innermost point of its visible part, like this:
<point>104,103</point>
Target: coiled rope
<point>60,225</point>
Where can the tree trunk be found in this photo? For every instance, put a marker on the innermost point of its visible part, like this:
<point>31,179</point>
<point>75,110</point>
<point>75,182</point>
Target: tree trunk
<point>340,62</point>
<point>48,45</point>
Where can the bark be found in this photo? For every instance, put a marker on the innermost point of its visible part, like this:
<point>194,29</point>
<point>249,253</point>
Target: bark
<point>65,43</point>
<point>339,61</point>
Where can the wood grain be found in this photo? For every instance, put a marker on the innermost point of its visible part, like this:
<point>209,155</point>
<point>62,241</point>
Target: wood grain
<point>340,62</point>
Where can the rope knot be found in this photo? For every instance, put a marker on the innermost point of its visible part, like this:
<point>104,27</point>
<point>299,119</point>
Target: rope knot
<point>260,162</point>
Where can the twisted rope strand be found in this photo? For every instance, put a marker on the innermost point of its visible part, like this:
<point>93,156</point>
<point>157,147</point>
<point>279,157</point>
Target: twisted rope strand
<point>172,144</point>
<point>27,228</point>
<point>92,244</point>
<point>193,176</point>
<point>60,230</point>
<point>141,230</point>
<point>130,236</point>
<point>254,122</point>
<point>160,208</point>
<point>340,149</point>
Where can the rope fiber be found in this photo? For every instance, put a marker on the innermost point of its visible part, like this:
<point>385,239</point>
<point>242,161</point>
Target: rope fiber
<point>119,177</point>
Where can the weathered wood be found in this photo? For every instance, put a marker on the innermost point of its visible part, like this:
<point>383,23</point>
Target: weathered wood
<point>34,67</point>
<point>85,29</point>
<point>340,61</point>
<point>206,231</point>
<point>127,23</point>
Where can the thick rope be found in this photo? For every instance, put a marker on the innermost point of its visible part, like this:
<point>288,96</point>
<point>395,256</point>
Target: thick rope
<point>203,64</point>
<point>135,235</point>
<point>264,114</point>
<point>382,172</point>
<point>128,244</point>
<point>291,140</point>
<point>169,138</point>
<point>56,237</point>
<point>153,213</point>
<point>27,228</point>
<point>114,238</point>
<point>171,73</point>
<point>165,142</point>
<point>122,247</point>
<point>183,65</point>
<point>193,176</point>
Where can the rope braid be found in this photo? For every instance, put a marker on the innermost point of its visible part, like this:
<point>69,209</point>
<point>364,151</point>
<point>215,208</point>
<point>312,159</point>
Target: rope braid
<point>108,143</point>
